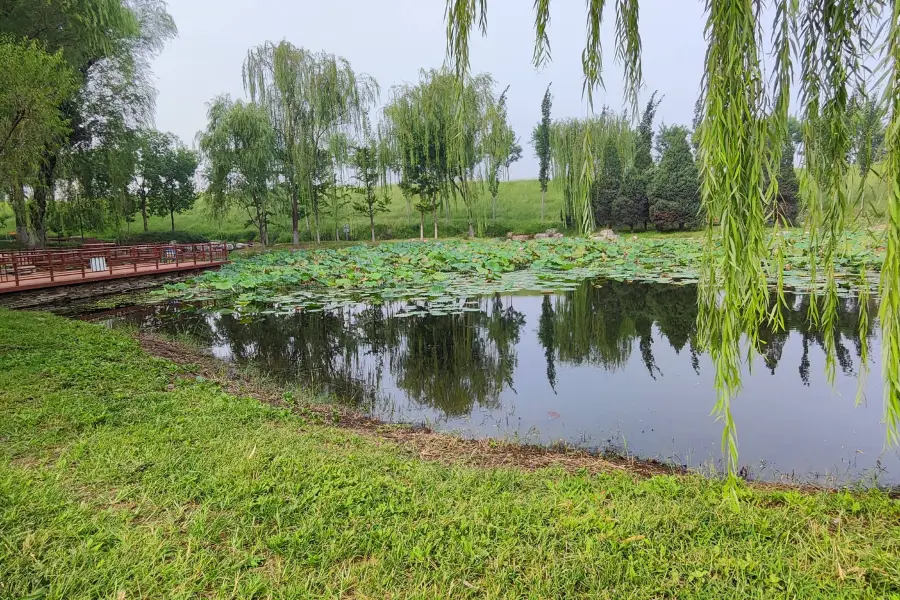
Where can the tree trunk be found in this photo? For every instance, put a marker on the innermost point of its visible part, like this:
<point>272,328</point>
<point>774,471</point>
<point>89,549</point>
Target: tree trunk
<point>39,238</point>
<point>308,230</point>
<point>260,222</point>
<point>493,208</point>
<point>171,215</point>
<point>543,194</point>
<point>318,234</point>
<point>471,230</point>
<point>422,226</point>
<point>144,212</point>
<point>295,217</point>
<point>41,193</point>
<point>17,199</point>
<point>372,224</point>
<point>435,214</point>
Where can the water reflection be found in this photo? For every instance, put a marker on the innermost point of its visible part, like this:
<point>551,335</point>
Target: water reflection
<point>606,363</point>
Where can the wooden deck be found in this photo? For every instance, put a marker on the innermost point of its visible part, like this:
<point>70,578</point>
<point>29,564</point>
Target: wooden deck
<point>33,270</point>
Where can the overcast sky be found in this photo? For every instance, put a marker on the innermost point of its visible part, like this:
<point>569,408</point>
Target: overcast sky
<point>392,39</point>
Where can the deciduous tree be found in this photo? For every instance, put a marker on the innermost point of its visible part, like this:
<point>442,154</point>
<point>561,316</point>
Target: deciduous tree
<point>238,146</point>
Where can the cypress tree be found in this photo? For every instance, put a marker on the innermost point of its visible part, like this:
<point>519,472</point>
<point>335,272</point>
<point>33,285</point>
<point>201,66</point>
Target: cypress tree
<point>632,207</point>
<point>675,187</point>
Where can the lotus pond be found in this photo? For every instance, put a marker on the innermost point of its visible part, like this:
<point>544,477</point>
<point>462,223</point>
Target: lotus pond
<point>436,274</point>
<point>585,342</point>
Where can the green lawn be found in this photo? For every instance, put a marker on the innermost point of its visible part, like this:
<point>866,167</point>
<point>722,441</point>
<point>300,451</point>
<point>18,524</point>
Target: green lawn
<point>122,476</point>
<point>518,209</point>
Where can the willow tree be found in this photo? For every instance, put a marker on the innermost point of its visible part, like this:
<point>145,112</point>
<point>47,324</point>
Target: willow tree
<point>744,118</point>
<point>437,128</point>
<point>108,44</point>
<point>310,98</point>
<point>499,147</point>
<point>578,150</point>
<point>238,146</point>
<point>33,83</point>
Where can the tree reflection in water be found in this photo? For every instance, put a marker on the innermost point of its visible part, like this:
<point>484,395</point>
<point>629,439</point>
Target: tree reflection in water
<point>453,362</point>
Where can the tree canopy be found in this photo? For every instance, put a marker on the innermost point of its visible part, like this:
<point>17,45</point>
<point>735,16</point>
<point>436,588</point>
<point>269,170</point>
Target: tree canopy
<point>310,97</point>
<point>238,146</point>
<point>438,128</point>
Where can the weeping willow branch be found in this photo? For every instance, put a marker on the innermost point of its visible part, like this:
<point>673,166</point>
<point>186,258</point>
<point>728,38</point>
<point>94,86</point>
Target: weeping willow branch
<point>577,154</point>
<point>890,271</point>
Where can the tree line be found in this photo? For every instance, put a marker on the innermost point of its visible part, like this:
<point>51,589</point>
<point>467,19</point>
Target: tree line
<point>310,139</point>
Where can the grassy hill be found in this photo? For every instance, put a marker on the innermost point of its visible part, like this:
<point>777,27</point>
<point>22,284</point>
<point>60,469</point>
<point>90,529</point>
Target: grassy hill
<point>518,209</point>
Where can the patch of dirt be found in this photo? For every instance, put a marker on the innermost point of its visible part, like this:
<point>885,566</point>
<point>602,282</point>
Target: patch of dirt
<point>419,441</point>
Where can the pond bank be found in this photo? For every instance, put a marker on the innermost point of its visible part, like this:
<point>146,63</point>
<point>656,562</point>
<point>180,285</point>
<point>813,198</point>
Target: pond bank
<point>123,475</point>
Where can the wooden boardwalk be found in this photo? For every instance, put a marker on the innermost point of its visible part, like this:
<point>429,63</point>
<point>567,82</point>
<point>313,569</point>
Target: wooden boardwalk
<point>34,270</point>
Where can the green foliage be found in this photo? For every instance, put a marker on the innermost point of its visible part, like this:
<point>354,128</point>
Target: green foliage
<point>437,128</point>
<point>500,147</point>
<point>540,140</point>
<point>163,237</point>
<point>579,149</point>
<point>788,201</point>
<point>867,117</point>
<point>674,190</point>
<point>239,147</point>
<point>311,98</point>
<point>172,190</point>
<point>164,177</point>
<point>364,160</point>
<point>632,205</point>
<point>33,83</point>
<point>108,44</point>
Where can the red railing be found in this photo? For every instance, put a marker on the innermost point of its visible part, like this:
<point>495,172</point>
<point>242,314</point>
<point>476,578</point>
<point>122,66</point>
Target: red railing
<point>29,267</point>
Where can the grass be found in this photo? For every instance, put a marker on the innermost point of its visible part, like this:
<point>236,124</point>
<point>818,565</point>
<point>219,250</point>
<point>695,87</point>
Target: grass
<point>122,476</point>
<point>518,210</point>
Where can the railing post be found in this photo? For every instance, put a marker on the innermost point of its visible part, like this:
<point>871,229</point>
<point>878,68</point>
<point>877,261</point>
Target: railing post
<point>109,257</point>
<point>134,258</point>
<point>156,250</point>
<point>81,261</point>
<point>176,254</point>
<point>50,258</point>
<point>16,267</point>
<point>194,252</point>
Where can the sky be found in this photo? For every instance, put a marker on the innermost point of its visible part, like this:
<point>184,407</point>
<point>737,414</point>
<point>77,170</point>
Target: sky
<point>392,39</point>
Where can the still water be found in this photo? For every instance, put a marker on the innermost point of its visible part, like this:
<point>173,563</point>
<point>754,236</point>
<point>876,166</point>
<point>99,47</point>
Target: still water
<point>607,366</point>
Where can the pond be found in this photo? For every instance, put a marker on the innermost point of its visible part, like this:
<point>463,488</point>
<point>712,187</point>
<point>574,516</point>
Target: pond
<point>609,366</point>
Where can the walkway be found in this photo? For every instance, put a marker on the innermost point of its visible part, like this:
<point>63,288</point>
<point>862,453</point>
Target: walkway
<point>38,269</point>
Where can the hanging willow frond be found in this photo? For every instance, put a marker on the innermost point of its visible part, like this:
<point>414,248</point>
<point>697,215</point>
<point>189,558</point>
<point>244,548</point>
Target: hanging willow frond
<point>461,16</point>
<point>628,49</point>
<point>577,154</point>
<point>733,161</point>
<point>541,40</point>
<point>890,270</point>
